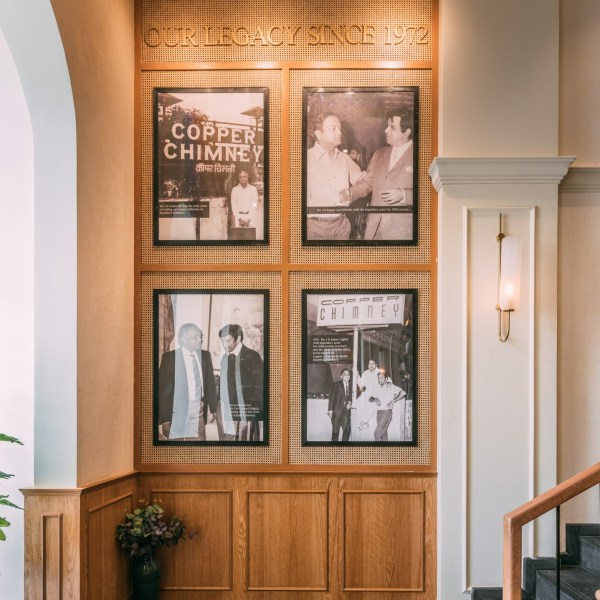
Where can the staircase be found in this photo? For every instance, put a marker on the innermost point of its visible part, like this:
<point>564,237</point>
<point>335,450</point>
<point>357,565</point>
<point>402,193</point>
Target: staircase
<point>579,573</point>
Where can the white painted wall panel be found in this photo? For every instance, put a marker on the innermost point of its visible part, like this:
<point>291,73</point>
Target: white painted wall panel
<point>498,404</point>
<point>579,81</point>
<point>579,340</point>
<point>499,78</point>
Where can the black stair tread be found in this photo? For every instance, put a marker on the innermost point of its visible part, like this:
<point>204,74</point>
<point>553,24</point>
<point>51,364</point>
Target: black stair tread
<point>491,593</point>
<point>575,581</point>
<point>593,540</point>
<point>590,553</point>
<point>574,533</point>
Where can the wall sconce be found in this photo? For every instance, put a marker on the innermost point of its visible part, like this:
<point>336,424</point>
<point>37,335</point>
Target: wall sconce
<point>509,280</point>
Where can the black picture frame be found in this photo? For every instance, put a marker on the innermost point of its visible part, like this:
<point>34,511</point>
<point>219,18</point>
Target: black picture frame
<point>204,139</point>
<point>344,330</point>
<point>372,205</point>
<point>235,402</point>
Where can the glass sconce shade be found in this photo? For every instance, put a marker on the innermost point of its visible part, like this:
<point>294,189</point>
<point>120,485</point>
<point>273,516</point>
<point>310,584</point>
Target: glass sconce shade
<point>510,273</point>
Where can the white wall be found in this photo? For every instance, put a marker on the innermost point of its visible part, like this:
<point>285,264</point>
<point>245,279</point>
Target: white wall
<point>498,78</point>
<point>16,313</point>
<point>579,84</point>
<point>579,339</point>
<point>579,256</point>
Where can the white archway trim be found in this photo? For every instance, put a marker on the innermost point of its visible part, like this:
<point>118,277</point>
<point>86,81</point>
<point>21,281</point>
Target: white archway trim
<point>16,315</point>
<point>40,60</point>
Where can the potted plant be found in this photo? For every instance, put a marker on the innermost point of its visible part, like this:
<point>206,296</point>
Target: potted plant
<point>145,530</point>
<point>4,501</point>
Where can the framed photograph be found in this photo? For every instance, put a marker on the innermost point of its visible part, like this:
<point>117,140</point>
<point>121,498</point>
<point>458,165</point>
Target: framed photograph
<point>210,166</point>
<point>359,367</point>
<point>210,367</point>
<point>360,166</point>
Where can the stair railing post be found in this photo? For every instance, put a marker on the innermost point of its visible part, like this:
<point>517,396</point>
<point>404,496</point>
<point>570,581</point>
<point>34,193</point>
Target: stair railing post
<point>512,560</point>
<point>558,552</point>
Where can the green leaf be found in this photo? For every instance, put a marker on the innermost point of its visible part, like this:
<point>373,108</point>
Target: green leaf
<point>8,438</point>
<point>5,502</point>
<point>2,536</point>
<point>5,475</point>
<point>4,522</point>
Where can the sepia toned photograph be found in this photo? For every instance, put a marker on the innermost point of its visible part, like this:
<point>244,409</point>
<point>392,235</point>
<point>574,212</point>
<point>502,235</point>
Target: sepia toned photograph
<point>210,166</point>
<point>359,367</point>
<point>210,367</point>
<point>360,166</point>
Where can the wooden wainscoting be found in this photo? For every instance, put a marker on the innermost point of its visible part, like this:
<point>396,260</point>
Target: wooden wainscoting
<point>106,575</point>
<point>259,536</point>
<point>70,548</point>
<point>384,541</point>
<point>318,536</point>
<point>287,540</point>
<point>52,549</point>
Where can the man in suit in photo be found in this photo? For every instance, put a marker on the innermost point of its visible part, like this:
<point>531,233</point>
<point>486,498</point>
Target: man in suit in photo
<point>242,387</point>
<point>389,177</point>
<point>187,388</point>
<point>340,404</point>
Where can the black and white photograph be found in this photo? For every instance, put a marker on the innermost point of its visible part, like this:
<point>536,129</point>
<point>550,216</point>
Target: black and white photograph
<point>210,166</point>
<point>360,166</point>
<point>359,367</point>
<point>210,367</point>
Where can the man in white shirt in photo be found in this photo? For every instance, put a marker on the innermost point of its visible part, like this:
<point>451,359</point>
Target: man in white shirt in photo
<point>384,398</point>
<point>329,174</point>
<point>244,202</point>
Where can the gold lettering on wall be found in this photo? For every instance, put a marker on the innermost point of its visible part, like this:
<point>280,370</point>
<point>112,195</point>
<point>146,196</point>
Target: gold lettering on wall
<point>352,34</point>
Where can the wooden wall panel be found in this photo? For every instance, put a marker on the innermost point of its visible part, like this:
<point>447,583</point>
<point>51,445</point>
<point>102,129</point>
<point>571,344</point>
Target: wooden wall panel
<point>105,558</point>
<point>52,545</point>
<point>106,567</point>
<point>384,541</point>
<point>261,537</point>
<point>205,561</point>
<point>287,540</point>
<point>324,537</point>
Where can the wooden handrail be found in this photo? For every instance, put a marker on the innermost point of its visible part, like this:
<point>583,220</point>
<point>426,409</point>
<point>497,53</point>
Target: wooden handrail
<point>514,521</point>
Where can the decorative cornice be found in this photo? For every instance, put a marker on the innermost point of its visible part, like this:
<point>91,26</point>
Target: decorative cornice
<point>518,170</point>
<point>581,180</point>
<point>39,491</point>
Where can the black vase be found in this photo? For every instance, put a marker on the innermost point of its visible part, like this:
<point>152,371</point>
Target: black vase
<point>146,577</point>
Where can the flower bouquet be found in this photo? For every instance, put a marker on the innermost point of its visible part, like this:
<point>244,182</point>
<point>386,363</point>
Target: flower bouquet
<point>147,528</point>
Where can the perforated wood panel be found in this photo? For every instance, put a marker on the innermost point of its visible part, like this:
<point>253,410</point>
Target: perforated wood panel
<point>289,42</point>
<point>205,254</point>
<point>300,79</point>
<point>419,455</point>
<point>178,31</point>
<point>211,455</point>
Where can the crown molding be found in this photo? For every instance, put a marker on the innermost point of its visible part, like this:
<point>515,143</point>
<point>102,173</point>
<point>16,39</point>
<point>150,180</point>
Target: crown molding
<point>518,170</point>
<point>581,180</point>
